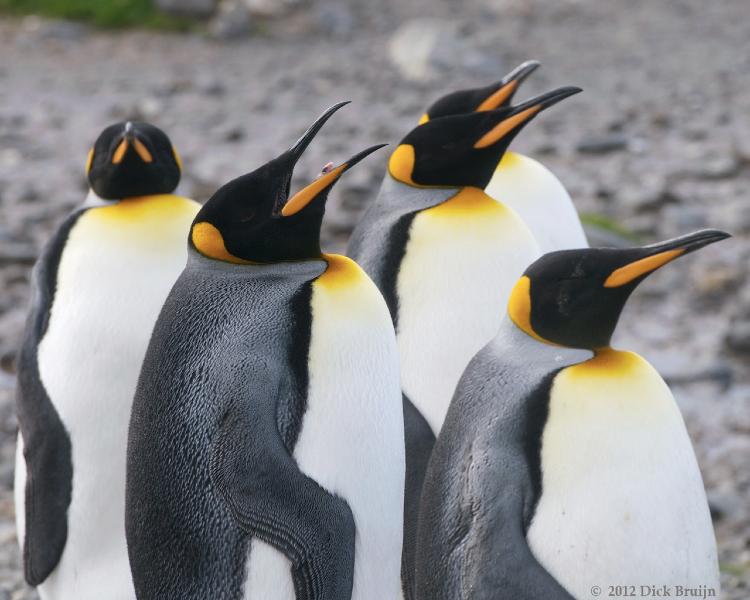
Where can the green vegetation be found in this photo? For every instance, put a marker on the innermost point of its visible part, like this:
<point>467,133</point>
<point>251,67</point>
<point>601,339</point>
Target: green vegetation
<point>605,223</point>
<point>109,14</point>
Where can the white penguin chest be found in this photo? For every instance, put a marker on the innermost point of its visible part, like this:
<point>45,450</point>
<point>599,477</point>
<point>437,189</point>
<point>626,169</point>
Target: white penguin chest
<point>540,200</point>
<point>622,498</point>
<point>352,436</point>
<point>460,264</point>
<point>116,270</point>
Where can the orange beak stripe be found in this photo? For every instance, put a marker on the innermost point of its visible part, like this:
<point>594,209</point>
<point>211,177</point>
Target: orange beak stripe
<point>500,130</point>
<point>142,151</point>
<point>89,160</point>
<point>498,97</point>
<point>640,267</point>
<point>120,152</point>
<point>308,193</point>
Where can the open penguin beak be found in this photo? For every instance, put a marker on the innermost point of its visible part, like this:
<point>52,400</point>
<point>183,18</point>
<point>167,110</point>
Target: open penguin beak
<point>521,114</point>
<point>650,258</point>
<point>327,179</point>
<point>323,183</point>
<point>130,140</point>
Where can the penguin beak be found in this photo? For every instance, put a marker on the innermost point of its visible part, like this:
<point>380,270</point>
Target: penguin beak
<point>508,86</point>
<point>650,258</point>
<point>519,115</point>
<point>296,151</point>
<point>130,139</point>
<point>323,183</point>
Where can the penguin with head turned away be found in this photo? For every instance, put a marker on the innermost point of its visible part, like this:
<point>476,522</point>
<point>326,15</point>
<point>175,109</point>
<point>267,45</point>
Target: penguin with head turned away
<point>266,450</point>
<point>97,289</point>
<point>564,465</point>
<point>519,181</point>
<point>444,254</point>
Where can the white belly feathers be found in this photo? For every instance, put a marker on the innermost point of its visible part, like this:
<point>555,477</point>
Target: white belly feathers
<point>622,498</point>
<point>351,441</point>
<point>460,264</point>
<point>118,265</point>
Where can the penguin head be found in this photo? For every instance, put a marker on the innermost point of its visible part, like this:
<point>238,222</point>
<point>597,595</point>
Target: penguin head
<point>463,150</point>
<point>491,97</point>
<point>253,219</point>
<point>574,298</point>
<point>130,159</point>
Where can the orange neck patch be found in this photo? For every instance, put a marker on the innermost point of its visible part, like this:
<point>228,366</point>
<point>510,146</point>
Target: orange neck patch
<point>468,202</point>
<point>342,272</point>
<point>607,362</point>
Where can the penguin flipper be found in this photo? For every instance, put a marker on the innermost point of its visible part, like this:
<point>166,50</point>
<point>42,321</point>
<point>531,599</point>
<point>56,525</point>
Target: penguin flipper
<point>272,499</point>
<point>47,449</point>
<point>419,442</point>
<point>480,493</point>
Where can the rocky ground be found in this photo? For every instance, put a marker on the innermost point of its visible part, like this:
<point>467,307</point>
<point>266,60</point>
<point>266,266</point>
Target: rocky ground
<point>659,143</point>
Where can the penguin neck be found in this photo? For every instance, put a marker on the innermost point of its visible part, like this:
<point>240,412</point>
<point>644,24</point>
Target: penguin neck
<point>304,270</point>
<point>514,344</point>
<point>402,198</point>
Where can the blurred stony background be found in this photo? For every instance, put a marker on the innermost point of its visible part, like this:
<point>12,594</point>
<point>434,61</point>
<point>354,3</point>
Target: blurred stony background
<point>658,145</point>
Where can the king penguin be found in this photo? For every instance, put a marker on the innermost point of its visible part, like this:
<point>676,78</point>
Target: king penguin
<point>520,182</point>
<point>564,465</point>
<point>266,450</point>
<point>97,289</point>
<point>444,254</point>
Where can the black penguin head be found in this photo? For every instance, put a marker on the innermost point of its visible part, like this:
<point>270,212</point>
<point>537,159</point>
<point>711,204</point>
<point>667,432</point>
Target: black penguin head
<point>463,150</point>
<point>491,97</point>
<point>574,298</point>
<point>132,159</point>
<point>252,219</point>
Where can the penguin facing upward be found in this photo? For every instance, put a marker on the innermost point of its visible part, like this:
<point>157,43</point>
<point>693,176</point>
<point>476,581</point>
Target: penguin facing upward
<point>266,450</point>
<point>97,289</point>
<point>519,181</point>
<point>564,464</point>
<point>443,254</point>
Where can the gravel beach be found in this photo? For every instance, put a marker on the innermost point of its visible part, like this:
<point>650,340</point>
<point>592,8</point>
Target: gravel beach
<point>658,143</point>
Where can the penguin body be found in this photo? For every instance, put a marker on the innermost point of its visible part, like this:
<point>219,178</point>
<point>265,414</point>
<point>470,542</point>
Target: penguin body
<point>519,181</point>
<point>266,453</point>
<point>462,251</point>
<point>559,451</point>
<point>647,483</point>
<point>540,199</point>
<point>443,253</point>
<point>97,290</point>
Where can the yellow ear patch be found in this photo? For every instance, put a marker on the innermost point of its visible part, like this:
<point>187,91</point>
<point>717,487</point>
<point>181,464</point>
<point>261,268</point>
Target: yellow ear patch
<point>500,130</point>
<point>498,97</point>
<point>89,160</point>
<point>209,242</point>
<point>177,158</point>
<point>519,308</point>
<point>423,119</point>
<point>401,164</point>
<point>308,193</point>
<point>142,151</point>
<point>120,152</point>
<point>640,267</point>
